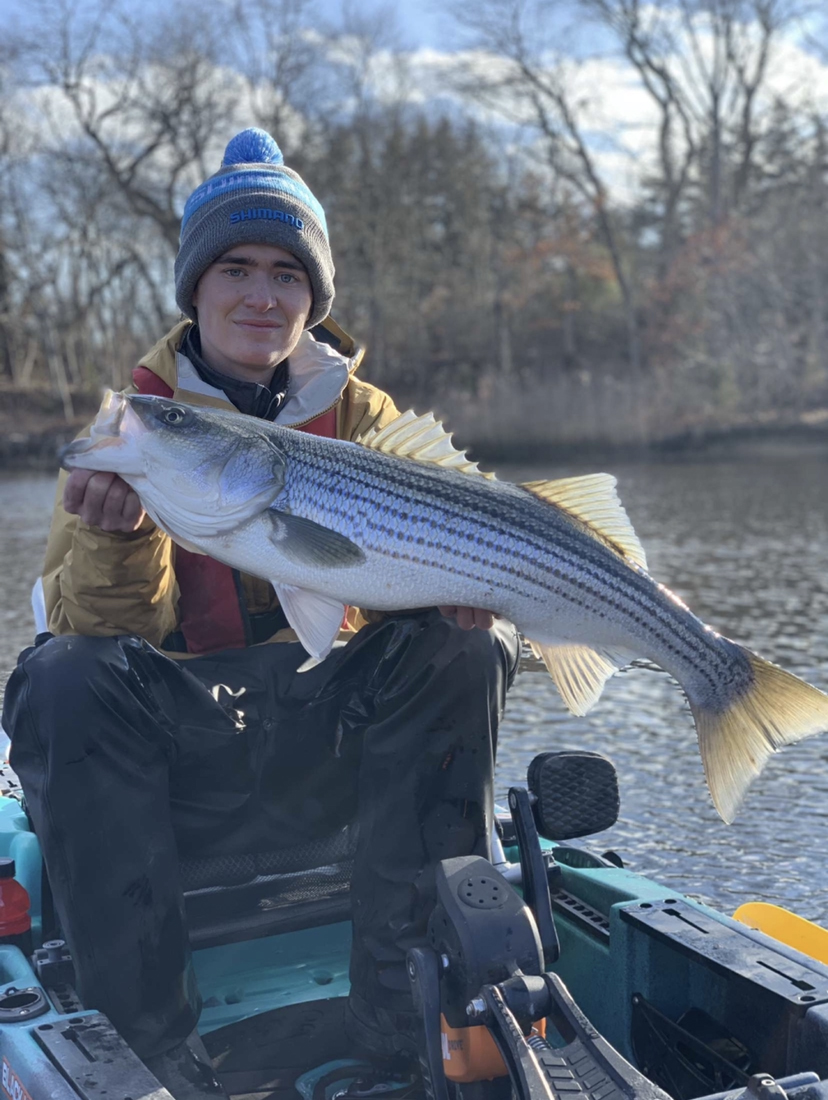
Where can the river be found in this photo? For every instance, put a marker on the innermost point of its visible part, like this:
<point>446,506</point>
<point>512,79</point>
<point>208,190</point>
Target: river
<point>743,540</point>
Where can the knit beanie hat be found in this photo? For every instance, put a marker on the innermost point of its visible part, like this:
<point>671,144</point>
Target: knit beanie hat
<point>254,199</point>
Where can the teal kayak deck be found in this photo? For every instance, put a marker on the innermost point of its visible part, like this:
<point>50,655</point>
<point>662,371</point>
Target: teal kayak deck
<point>632,952</point>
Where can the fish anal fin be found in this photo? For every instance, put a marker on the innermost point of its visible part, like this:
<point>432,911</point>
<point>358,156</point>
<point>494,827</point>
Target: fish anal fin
<point>422,438</point>
<point>594,502</point>
<point>777,709</point>
<point>317,619</point>
<point>579,672</point>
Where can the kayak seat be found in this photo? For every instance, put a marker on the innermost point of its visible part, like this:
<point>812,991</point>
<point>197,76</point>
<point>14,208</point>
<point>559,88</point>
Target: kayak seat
<point>238,897</point>
<point>227,897</point>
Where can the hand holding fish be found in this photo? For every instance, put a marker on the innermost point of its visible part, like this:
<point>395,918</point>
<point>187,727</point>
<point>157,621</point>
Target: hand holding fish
<point>469,617</point>
<point>104,500</point>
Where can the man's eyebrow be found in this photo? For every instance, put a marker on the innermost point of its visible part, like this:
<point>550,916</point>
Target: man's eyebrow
<point>240,261</point>
<point>248,261</point>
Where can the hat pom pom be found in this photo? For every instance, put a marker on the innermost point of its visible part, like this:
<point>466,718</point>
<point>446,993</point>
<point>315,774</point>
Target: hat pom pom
<point>252,146</point>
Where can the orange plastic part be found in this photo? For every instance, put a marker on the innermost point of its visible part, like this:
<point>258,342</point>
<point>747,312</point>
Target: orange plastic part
<point>471,1054</point>
<point>803,935</point>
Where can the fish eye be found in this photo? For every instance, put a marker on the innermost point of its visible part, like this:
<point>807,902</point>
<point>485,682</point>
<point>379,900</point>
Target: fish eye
<point>174,416</point>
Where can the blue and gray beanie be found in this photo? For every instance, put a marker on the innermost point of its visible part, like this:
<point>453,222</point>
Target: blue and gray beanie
<point>254,199</point>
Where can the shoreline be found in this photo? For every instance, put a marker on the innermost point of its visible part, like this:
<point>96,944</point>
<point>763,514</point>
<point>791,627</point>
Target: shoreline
<point>33,428</point>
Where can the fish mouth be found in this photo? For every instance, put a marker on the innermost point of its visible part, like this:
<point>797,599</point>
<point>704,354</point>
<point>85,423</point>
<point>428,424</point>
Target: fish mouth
<point>105,432</point>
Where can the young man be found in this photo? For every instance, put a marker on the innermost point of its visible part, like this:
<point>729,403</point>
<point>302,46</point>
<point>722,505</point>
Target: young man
<point>130,757</point>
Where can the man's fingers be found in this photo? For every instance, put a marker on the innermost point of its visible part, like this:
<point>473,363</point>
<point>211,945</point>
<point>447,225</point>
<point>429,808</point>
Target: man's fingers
<point>133,511</point>
<point>469,617</point>
<point>91,508</point>
<point>465,618</point>
<point>112,506</point>
<point>74,489</point>
<point>102,500</point>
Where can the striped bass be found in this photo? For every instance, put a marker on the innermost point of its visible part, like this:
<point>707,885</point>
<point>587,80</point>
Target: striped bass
<point>403,520</point>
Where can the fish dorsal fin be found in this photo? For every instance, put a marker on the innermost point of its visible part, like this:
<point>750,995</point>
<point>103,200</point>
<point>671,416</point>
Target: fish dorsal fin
<point>594,501</point>
<point>422,438</point>
<point>578,671</point>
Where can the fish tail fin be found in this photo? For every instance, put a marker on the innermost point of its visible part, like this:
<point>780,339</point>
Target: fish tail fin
<point>775,710</point>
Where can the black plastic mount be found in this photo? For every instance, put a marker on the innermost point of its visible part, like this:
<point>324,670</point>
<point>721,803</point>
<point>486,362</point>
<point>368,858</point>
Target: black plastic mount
<point>576,793</point>
<point>53,964</point>
<point>424,976</point>
<point>483,928</point>
<point>754,967</point>
<point>534,873</point>
<point>96,1061</point>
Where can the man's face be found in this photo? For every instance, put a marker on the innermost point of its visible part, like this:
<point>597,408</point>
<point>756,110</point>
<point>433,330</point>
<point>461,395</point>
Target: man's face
<point>252,305</point>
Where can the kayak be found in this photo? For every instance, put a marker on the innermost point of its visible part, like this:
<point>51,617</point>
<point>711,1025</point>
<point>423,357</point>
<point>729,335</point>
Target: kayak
<point>550,970</point>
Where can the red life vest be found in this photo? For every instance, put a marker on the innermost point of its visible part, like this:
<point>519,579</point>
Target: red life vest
<point>211,608</point>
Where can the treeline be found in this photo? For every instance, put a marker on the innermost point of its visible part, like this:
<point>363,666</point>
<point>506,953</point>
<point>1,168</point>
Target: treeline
<point>486,253</point>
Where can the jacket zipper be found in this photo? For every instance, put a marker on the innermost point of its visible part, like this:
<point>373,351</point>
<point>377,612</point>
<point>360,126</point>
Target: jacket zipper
<point>310,419</point>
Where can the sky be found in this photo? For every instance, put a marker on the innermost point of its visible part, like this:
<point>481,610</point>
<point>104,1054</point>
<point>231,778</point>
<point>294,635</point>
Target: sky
<point>420,22</point>
<point>615,112</point>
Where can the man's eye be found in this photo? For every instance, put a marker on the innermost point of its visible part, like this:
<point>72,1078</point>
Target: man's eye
<point>286,277</point>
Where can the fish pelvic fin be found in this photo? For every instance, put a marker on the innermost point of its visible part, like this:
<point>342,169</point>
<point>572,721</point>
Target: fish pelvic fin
<point>777,709</point>
<point>422,438</point>
<point>316,618</point>
<point>593,501</point>
<point>579,672</point>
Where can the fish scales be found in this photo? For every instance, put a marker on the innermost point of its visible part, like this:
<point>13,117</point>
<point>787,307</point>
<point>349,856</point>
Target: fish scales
<point>458,509</point>
<point>332,523</point>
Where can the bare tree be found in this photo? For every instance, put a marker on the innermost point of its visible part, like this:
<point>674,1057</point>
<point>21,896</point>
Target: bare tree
<point>705,64</point>
<point>524,81</point>
<point>145,101</point>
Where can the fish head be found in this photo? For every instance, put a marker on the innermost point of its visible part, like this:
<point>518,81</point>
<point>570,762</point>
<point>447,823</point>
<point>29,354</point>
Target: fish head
<point>112,441</point>
<point>196,470</point>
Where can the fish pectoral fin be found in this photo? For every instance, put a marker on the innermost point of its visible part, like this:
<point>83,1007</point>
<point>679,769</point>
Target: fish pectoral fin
<point>317,619</point>
<point>594,501</point>
<point>309,543</point>
<point>579,672</point>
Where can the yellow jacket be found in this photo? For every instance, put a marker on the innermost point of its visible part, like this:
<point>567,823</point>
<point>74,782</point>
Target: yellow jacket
<point>105,583</point>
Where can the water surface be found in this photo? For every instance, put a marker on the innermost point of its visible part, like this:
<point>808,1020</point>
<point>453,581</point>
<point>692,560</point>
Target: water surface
<point>744,541</point>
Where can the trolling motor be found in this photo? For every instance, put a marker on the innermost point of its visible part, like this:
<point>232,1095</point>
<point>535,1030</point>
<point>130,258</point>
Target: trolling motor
<point>486,1000</point>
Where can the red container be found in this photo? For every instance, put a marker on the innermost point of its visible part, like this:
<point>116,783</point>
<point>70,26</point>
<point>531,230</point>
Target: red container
<point>15,922</point>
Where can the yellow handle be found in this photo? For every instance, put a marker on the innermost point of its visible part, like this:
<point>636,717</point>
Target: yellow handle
<point>788,928</point>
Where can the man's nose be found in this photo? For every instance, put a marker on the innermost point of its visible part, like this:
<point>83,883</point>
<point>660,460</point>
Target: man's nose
<point>261,292</point>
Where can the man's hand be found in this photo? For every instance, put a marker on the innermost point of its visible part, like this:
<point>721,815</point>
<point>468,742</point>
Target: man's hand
<point>102,500</point>
<point>470,617</point>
